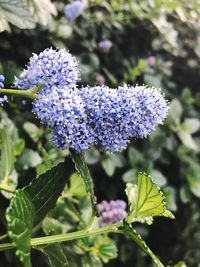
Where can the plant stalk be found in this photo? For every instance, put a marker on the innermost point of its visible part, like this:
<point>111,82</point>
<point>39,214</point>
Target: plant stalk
<point>30,93</point>
<point>67,237</point>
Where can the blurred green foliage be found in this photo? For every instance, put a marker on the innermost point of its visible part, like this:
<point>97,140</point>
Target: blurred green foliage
<point>155,42</point>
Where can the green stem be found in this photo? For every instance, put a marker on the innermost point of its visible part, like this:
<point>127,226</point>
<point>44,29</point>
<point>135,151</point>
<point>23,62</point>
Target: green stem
<point>3,237</point>
<point>67,237</point>
<point>31,93</point>
<point>114,228</point>
<point>7,189</point>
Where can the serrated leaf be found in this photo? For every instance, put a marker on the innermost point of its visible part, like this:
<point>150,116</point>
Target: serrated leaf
<point>46,188</point>
<point>84,173</point>
<point>55,255</point>
<point>30,205</point>
<point>7,155</point>
<point>131,233</point>
<point>146,200</point>
<point>20,218</point>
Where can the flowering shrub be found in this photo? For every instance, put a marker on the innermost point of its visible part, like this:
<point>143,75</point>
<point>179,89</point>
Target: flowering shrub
<point>81,118</point>
<point>152,44</point>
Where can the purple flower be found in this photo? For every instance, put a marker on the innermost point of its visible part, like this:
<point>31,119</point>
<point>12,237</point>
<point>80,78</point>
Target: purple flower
<point>4,98</point>
<point>116,116</point>
<point>73,10</point>
<point>51,68</point>
<point>111,212</point>
<point>151,61</point>
<point>97,116</point>
<point>63,111</point>
<point>2,79</point>
<point>105,45</point>
<point>104,111</point>
<point>144,109</point>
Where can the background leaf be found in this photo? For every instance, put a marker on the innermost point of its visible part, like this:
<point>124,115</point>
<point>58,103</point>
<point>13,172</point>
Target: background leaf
<point>20,217</point>
<point>55,255</point>
<point>7,155</point>
<point>15,12</point>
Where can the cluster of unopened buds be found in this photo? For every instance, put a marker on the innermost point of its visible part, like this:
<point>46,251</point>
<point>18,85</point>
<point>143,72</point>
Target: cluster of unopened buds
<point>111,212</point>
<point>86,117</point>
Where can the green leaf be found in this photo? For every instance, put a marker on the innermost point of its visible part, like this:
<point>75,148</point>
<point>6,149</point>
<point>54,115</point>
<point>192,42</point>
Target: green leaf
<point>29,159</point>
<point>8,175</point>
<point>46,188</point>
<point>41,10</point>
<point>15,12</point>
<point>191,125</point>
<point>159,178</point>
<point>89,260</point>
<point>30,205</point>
<point>170,195</point>
<point>20,218</point>
<point>131,233</point>
<point>106,248</point>
<point>32,130</point>
<point>84,173</point>
<point>7,155</point>
<point>77,186</point>
<point>174,114</point>
<point>145,199</point>
<point>187,140</point>
<point>55,255</point>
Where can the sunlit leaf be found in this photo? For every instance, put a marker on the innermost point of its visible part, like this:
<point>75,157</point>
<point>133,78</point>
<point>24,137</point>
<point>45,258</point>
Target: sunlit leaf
<point>145,199</point>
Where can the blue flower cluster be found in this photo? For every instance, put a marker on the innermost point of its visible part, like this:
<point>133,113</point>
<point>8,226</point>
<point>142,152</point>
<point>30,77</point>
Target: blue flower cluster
<point>111,212</point>
<point>63,111</point>
<point>73,10</point>
<point>4,98</point>
<point>105,115</point>
<point>90,116</point>
<point>51,67</point>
